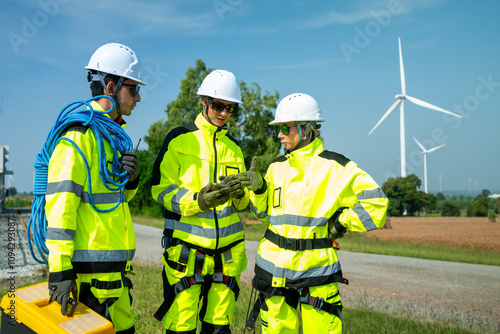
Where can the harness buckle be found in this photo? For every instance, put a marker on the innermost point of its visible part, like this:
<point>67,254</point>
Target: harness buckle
<point>290,244</point>
<point>230,281</point>
<point>316,302</point>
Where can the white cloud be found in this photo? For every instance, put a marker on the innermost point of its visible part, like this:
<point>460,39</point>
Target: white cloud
<point>363,10</point>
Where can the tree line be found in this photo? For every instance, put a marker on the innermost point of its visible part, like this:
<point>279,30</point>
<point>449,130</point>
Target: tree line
<point>406,200</point>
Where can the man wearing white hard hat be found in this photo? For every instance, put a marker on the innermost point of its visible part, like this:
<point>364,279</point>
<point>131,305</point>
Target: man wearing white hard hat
<point>90,234</point>
<point>203,236</point>
<point>310,197</point>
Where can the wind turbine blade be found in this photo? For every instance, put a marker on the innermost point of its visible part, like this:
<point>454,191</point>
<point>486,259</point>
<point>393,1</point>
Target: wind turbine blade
<point>435,148</point>
<point>430,106</point>
<point>423,149</point>
<point>401,69</point>
<point>391,109</point>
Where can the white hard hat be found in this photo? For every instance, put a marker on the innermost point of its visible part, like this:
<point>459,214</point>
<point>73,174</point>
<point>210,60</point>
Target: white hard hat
<point>297,107</point>
<point>116,59</point>
<point>222,85</point>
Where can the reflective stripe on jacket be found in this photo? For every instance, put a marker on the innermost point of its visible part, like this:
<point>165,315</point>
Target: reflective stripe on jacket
<point>304,189</point>
<point>80,239</point>
<point>191,156</point>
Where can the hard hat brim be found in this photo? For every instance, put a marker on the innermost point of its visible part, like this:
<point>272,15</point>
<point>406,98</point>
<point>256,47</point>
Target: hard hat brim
<point>140,82</point>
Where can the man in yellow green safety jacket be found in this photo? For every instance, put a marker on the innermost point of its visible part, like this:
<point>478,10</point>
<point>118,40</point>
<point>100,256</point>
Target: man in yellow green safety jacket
<point>203,236</point>
<point>91,245</point>
<point>310,196</point>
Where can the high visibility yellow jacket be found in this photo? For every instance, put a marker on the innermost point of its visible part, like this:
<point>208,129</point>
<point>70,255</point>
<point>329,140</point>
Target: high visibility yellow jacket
<point>80,239</point>
<point>191,156</point>
<point>305,189</point>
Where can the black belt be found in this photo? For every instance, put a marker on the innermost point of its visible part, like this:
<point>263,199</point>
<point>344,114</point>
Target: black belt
<point>297,244</point>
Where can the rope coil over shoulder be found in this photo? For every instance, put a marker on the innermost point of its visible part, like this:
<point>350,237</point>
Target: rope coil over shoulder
<point>104,129</point>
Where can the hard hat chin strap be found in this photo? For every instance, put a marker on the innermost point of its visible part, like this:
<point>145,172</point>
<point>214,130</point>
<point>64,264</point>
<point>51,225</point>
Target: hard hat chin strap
<point>205,114</point>
<point>115,95</point>
<point>303,135</point>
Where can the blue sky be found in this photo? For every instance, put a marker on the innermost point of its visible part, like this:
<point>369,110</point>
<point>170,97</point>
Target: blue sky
<point>343,53</point>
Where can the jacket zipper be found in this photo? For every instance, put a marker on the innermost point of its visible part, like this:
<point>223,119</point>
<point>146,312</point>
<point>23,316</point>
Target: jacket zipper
<point>215,181</point>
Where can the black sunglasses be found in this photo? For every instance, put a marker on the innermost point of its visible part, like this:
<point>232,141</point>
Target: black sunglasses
<point>284,128</point>
<point>134,90</point>
<point>219,106</point>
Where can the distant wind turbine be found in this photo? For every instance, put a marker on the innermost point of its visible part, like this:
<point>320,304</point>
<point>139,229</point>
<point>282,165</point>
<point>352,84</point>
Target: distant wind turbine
<point>424,152</point>
<point>400,101</point>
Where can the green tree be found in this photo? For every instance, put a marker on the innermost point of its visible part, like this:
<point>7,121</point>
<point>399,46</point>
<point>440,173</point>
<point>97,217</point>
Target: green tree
<point>403,195</point>
<point>249,127</point>
<point>485,193</point>
<point>429,202</point>
<point>143,202</point>
<point>440,197</point>
<point>449,209</point>
<point>478,208</point>
<point>182,110</point>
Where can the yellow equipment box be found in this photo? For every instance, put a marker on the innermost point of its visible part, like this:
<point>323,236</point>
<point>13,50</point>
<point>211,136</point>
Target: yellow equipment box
<point>27,310</point>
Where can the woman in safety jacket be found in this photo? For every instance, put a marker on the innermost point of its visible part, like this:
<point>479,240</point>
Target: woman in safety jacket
<point>91,245</point>
<point>309,196</point>
<point>203,237</point>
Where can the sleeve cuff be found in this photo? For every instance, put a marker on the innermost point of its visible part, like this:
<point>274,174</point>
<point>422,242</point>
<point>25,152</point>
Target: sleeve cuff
<point>336,223</point>
<point>62,276</point>
<point>131,185</point>
<point>262,189</point>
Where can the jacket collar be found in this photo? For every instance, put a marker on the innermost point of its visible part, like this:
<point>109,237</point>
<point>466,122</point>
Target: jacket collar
<point>306,153</point>
<point>98,107</point>
<point>209,128</point>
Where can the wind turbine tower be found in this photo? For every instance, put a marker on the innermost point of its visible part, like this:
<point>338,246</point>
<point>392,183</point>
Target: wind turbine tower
<point>400,102</point>
<point>424,152</point>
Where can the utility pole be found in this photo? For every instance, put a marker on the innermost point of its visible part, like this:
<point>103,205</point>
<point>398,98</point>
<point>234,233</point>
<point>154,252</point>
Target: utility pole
<point>4,157</point>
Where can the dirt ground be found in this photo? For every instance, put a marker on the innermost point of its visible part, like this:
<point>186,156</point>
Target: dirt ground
<point>476,232</point>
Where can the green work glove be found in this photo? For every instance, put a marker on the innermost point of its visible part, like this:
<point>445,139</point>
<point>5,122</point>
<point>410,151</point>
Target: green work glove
<point>252,179</point>
<point>210,198</point>
<point>59,291</point>
<point>332,231</point>
<point>235,186</point>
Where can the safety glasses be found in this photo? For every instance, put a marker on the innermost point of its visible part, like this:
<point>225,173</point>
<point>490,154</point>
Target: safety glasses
<point>219,106</point>
<point>134,89</point>
<point>284,128</point>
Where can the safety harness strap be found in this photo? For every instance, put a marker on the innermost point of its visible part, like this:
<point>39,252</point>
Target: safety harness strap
<point>252,317</point>
<point>320,304</point>
<point>297,244</point>
<point>229,281</point>
<point>265,291</point>
<point>186,282</point>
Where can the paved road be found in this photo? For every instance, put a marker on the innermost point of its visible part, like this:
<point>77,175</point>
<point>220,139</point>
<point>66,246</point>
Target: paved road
<point>465,294</point>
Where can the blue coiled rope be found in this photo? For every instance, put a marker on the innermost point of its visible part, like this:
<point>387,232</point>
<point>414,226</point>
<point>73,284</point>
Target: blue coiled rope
<point>104,129</point>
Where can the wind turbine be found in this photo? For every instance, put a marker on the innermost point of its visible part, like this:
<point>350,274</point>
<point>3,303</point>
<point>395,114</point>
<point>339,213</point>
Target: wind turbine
<point>400,101</point>
<point>424,152</point>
